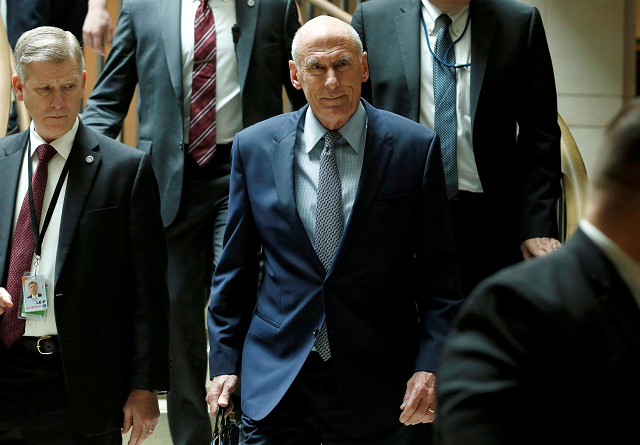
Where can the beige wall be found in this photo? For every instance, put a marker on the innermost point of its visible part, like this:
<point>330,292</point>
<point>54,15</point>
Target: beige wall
<point>592,44</point>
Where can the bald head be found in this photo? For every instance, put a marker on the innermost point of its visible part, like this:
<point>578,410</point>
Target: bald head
<point>329,66</point>
<point>322,27</point>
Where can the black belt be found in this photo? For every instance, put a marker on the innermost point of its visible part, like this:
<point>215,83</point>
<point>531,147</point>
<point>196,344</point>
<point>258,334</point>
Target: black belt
<point>217,167</point>
<point>45,345</point>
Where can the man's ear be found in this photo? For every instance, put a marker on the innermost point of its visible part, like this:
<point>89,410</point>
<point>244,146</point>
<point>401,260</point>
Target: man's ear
<point>17,87</point>
<point>293,75</point>
<point>365,67</point>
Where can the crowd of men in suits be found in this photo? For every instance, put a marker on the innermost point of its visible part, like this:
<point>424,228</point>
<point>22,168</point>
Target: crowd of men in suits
<point>334,245</point>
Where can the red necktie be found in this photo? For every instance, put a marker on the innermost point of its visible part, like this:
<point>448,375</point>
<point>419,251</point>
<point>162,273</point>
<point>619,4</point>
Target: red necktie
<point>202,128</point>
<point>11,327</point>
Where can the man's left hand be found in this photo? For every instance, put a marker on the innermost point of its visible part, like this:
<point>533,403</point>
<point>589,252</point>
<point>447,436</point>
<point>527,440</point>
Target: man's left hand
<point>140,412</point>
<point>534,247</point>
<point>419,403</point>
<point>97,30</point>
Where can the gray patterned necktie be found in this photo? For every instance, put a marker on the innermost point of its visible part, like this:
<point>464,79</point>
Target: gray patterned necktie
<point>329,222</point>
<point>444,95</point>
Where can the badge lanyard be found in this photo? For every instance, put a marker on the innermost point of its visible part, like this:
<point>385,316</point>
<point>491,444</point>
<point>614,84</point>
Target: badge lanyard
<point>37,235</point>
<point>446,54</point>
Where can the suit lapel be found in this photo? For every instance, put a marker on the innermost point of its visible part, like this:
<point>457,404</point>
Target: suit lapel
<point>81,177</point>
<point>170,23</point>
<point>282,161</point>
<point>483,22</point>
<point>376,160</point>
<point>10,165</point>
<point>408,28</point>
<point>609,289</point>
<point>247,17</point>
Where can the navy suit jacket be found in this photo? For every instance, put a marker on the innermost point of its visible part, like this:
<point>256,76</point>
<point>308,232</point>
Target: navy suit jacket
<point>389,296</point>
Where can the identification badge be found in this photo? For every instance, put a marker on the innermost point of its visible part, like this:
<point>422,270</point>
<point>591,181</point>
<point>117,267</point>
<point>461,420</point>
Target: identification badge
<point>34,297</point>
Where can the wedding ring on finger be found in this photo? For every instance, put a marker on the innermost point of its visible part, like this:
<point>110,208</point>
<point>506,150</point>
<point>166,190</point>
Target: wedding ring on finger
<point>431,410</point>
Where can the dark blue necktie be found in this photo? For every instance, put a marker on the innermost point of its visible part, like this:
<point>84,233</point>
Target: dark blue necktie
<point>444,95</point>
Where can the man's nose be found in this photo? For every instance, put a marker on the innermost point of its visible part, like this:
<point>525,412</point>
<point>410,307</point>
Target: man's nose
<point>57,101</point>
<point>331,81</point>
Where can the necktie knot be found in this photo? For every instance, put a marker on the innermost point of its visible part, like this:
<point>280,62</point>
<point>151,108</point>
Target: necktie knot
<point>46,152</point>
<point>330,139</point>
<point>445,21</point>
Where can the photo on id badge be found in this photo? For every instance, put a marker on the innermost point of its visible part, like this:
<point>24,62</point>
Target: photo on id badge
<point>34,297</point>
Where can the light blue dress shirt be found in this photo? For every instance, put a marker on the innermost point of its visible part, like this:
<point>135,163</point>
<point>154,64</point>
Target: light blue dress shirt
<point>349,152</point>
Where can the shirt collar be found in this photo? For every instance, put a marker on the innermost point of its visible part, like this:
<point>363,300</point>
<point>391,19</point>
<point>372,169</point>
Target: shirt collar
<point>627,267</point>
<point>458,19</point>
<point>353,131</point>
<point>62,145</point>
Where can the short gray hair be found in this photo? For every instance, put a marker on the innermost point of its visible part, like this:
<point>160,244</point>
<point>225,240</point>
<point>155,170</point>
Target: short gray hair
<point>46,44</point>
<point>296,41</point>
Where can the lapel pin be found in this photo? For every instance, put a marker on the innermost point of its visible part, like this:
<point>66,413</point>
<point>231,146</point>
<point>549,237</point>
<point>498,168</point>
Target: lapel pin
<point>89,159</point>
<point>250,3</point>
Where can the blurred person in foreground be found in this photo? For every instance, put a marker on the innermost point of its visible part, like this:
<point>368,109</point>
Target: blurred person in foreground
<point>549,351</point>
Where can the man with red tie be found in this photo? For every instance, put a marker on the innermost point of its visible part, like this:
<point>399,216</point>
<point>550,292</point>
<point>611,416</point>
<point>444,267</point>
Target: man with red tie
<point>78,212</point>
<point>204,71</point>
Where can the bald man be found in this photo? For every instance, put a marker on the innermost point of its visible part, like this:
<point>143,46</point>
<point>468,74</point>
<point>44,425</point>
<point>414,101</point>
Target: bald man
<point>348,204</point>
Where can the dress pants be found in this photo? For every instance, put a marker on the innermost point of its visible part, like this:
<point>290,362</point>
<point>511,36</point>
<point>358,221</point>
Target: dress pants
<point>483,249</point>
<point>34,403</point>
<point>194,243</point>
<point>312,412</point>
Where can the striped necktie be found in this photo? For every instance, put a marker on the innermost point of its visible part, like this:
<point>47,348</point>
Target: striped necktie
<point>202,127</point>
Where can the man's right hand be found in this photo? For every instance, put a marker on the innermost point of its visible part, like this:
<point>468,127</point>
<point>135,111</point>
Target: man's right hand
<point>220,393</point>
<point>5,300</point>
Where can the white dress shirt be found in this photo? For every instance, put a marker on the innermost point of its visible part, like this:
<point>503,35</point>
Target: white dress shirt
<point>47,266</point>
<point>468,178</point>
<point>627,267</point>
<point>228,97</point>
<point>349,153</point>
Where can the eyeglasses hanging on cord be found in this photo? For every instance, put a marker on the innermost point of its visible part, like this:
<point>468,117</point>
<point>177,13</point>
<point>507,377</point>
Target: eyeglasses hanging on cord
<point>446,54</point>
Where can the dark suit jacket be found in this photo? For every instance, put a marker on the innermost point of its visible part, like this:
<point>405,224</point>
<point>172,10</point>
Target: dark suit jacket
<point>147,52</point>
<point>512,85</point>
<point>389,296</point>
<point>544,352</point>
<point>111,243</point>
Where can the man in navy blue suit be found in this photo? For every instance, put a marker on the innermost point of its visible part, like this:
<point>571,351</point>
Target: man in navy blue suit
<point>361,280</point>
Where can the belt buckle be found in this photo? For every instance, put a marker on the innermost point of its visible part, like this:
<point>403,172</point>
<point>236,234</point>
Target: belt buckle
<point>44,337</point>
